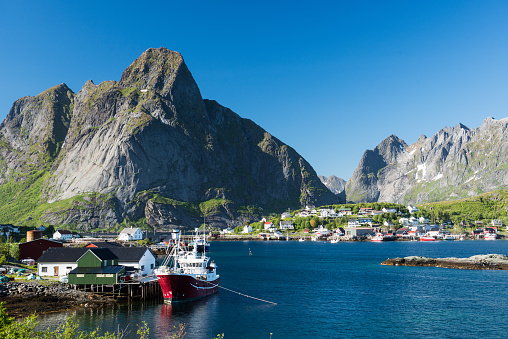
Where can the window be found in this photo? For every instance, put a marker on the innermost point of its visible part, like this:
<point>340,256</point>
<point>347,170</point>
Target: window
<point>44,269</point>
<point>80,275</point>
<point>100,275</point>
<point>142,267</point>
<point>151,266</point>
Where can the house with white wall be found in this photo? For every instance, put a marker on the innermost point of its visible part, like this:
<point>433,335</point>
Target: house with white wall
<point>130,233</point>
<point>62,235</point>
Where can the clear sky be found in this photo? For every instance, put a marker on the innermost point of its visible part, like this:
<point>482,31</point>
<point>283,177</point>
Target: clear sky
<point>329,78</point>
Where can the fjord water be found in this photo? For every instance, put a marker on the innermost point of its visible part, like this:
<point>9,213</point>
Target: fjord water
<point>325,290</point>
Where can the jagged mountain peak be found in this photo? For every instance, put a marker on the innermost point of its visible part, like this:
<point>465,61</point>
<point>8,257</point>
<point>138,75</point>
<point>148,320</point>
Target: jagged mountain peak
<point>455,162</point>
<point>147,149</point>
<point>156,69</point>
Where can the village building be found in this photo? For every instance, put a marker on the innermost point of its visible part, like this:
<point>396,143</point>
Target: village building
<point>97,266</point>
<point>412,209</point>
<point>286,225</point>
<point>496,223</point>
<point>130,233</point>
<point>286,215</point>
<point>388,223</point>
<point>345,211</point>
<point>35,248</point>
<point>247,229</point>
<point>268,226</point>
<point>389,210</point>
<point>59,261</point>
<point>139,258</point>
<point>359,231</point>
<point>365,221</point>
<point>352,223</point>
<point>62,235</point>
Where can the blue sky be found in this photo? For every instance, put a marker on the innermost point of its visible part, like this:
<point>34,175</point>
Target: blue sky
<point>329,78</point>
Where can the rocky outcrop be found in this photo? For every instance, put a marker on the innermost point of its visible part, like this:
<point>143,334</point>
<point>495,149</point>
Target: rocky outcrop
<point>22,299</point>
<point>150,148</point>
<point>454,163</point>
<point>477,262</point>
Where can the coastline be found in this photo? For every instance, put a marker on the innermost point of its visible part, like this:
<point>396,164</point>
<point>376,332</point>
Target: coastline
<point>477,262</point>
<point>22,299</point>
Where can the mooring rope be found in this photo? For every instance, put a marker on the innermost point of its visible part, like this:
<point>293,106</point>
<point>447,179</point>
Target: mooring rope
<point>248,296</point>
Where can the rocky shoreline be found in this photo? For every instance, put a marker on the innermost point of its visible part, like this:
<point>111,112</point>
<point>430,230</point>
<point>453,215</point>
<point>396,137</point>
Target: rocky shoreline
<point>22,299</point>
<point>477,262</point>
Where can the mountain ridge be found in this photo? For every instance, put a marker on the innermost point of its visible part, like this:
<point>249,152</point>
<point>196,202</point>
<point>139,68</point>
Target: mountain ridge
<point>148,149</point>
<point>454,163</point>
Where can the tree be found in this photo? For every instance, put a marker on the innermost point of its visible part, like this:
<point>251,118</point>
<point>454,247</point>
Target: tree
<point>313,223</point>
<point>14,251</point>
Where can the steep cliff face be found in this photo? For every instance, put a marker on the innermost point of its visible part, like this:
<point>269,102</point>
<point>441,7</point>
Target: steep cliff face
<point>454,163</point>
<point>149,149</point>
<point>33,131</point>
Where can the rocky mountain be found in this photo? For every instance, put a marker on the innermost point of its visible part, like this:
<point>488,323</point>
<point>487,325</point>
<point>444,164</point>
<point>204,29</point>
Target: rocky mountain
<point>455,163</point>
<point>335,184</point>
<point>147,149</point>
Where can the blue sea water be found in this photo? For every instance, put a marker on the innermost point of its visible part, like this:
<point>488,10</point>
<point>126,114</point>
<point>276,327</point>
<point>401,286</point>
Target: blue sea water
<point>325,290</point>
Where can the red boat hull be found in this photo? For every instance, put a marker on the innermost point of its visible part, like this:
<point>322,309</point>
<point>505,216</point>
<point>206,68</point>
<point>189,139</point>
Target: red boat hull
<point>176,287</point>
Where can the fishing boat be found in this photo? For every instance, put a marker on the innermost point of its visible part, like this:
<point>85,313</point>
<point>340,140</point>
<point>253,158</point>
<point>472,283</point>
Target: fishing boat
<point>301,239</point>
<point>203,245</point>
<point>378,238</point>
<point>186,274</point>
<point>427,238</point>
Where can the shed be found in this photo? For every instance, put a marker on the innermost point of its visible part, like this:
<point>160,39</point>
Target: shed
<point>35,248</point>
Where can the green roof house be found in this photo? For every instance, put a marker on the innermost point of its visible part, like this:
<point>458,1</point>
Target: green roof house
<point>97,266</point>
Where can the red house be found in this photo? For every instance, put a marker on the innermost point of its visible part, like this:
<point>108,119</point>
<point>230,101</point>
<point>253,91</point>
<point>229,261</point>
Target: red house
<point>34,249</point>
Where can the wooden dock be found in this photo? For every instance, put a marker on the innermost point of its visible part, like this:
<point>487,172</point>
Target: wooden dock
<point>146,289</point>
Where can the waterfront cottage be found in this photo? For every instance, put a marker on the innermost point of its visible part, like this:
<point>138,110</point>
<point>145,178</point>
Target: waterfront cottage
<point>140,258</point>
<point>268,226</point>
<point>96,266</point>
<point>131,233</point>
<point>359,231</point>
<point>247,229</point>
<point>59,261</point>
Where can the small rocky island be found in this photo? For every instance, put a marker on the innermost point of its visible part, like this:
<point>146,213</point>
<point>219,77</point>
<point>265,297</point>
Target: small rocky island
<point>477,262</point>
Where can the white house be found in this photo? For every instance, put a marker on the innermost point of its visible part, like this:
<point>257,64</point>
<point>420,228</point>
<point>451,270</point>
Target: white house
<point>62,235</point>
<point>352,223</point>
<point>327,213</point>
<point>388,223</point>
<point>303,214</point>
<point>412,209</point>
<point>140,258</point>
<point>130,233</point>
<point>285,215</point>
<point>268,226</point>
<point>496,223</point>
<point>247,229</point>
<point>389,210</point>
<point>424,220</point>
<point>227,230</point>
<point>286,225</point>
<point>59,261</point>
<point>322,231</point>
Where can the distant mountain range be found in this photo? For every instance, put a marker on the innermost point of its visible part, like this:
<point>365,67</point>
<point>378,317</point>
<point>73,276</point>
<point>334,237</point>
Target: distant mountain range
<point>455,163</point>
<point>146,149</point>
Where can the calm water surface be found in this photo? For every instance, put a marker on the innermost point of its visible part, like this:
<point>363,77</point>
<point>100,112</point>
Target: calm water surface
<point>325,290</point>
